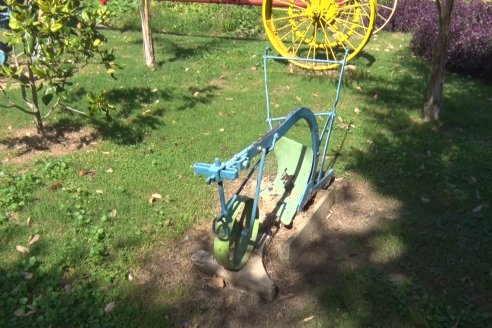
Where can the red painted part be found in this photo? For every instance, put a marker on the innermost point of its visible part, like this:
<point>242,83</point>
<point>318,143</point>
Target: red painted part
<point>103,2</point>
<point>280,3</point>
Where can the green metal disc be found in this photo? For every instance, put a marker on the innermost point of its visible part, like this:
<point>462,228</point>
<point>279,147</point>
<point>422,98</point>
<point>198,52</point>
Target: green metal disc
<point>232,250</point>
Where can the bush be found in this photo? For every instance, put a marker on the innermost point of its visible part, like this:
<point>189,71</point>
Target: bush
<point>470,44</point>
<point>409,13</point>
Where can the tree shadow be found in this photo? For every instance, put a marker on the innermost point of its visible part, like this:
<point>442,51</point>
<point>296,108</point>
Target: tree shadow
<point>410,247</point>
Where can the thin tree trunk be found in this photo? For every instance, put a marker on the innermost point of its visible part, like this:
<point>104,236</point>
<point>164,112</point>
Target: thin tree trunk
<point>435,88</point>
<point>148,43</point>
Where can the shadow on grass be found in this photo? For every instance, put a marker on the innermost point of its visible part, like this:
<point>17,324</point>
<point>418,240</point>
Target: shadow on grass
<point>411,247</point>
<point>423,262</point>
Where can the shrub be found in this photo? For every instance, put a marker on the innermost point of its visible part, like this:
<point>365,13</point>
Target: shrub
<point>409,13</point>
<point>470,44</point>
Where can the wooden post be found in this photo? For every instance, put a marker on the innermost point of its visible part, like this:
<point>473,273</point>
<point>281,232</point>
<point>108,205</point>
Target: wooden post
<point>148,43</point>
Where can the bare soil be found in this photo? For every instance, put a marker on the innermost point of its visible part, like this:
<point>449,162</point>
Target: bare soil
<point>211,302</point>
<point>26,144</point>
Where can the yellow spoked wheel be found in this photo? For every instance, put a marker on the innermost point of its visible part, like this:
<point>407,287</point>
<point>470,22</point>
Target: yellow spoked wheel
<point>386,10</point>
<point>318,29</point>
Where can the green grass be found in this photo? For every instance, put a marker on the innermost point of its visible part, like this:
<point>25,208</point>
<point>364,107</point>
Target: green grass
<point>97,229</point>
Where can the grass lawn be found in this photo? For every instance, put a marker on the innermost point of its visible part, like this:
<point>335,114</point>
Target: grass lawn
<point>96,227</point>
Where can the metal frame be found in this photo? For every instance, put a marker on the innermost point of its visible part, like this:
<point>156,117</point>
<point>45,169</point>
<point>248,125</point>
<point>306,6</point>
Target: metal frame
<point>229,170</point>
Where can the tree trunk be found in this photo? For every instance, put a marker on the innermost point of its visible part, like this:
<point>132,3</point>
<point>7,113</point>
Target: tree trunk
<point>148,43</point>
<point>435,88</point>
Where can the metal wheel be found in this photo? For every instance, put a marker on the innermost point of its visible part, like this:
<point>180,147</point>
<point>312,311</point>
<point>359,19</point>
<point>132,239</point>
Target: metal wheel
<point>235,236</point>
<point>318,29</point>
<point>386,10</point>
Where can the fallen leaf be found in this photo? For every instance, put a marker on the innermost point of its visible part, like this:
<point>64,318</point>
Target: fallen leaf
<point>113,213</point>
<point>106,152</point>
<point>254,68</point>
<point>196,94</point>
<point>56,185</point>
<point>307,319</point>
<point>477,209</point>
<point>298,98</point>
<point>109,307</point>
<point>376,96</point>
<point>110,170</point>
<point>218,281</point>
<point>154,90</point>
<point>99,192</point>
<point>154,198</point>
<point>425,199</point>
<point>29,222</point>
<point>357,110</point>
<point>315,95</point>
<point>27,275</point>
<point>130,277</point>
<point>340,119</point>
<point>33,239</point>
<point>87,172</point>
<point>22,249</point>
<point>222,130</point>
<point>350,68</point>
<point>473,180</point>
<point>29,313</point>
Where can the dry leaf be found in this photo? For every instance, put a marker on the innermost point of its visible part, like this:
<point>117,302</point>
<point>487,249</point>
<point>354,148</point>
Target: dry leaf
<point>154,198</point>
<point>109,307</point>
<point>56,185</point>
<point>130,277</point>
<point>425,199</point>
<point>33,239</point>
<point>27,275</point>
<point>22,249</point>
<point>87,172</point>
<point>254,68</point>
<point>222,130</point>
<point>196,94</point>
<point>218,281</point>
<point>154,90</point>
<point>110,170</point>
<point>478,209</point>
<point>376,96</point>
<point>99,192</point>
<point>357,110</point>
<point>29,222</point>
<point>307,319</point>
<point>298,98</point>
<point>113,213</point>
<point>29,313</point>
<point>315,95</point>
<point>106,152</point>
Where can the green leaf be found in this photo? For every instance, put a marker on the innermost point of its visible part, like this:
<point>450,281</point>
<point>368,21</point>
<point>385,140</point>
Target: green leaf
<point>46,99</point>
<point>56,27</point>
<point>14,23</point>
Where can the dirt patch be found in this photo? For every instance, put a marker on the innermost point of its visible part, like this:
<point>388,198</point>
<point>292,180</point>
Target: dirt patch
<point>26,144</point>
<point>358,210</point>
